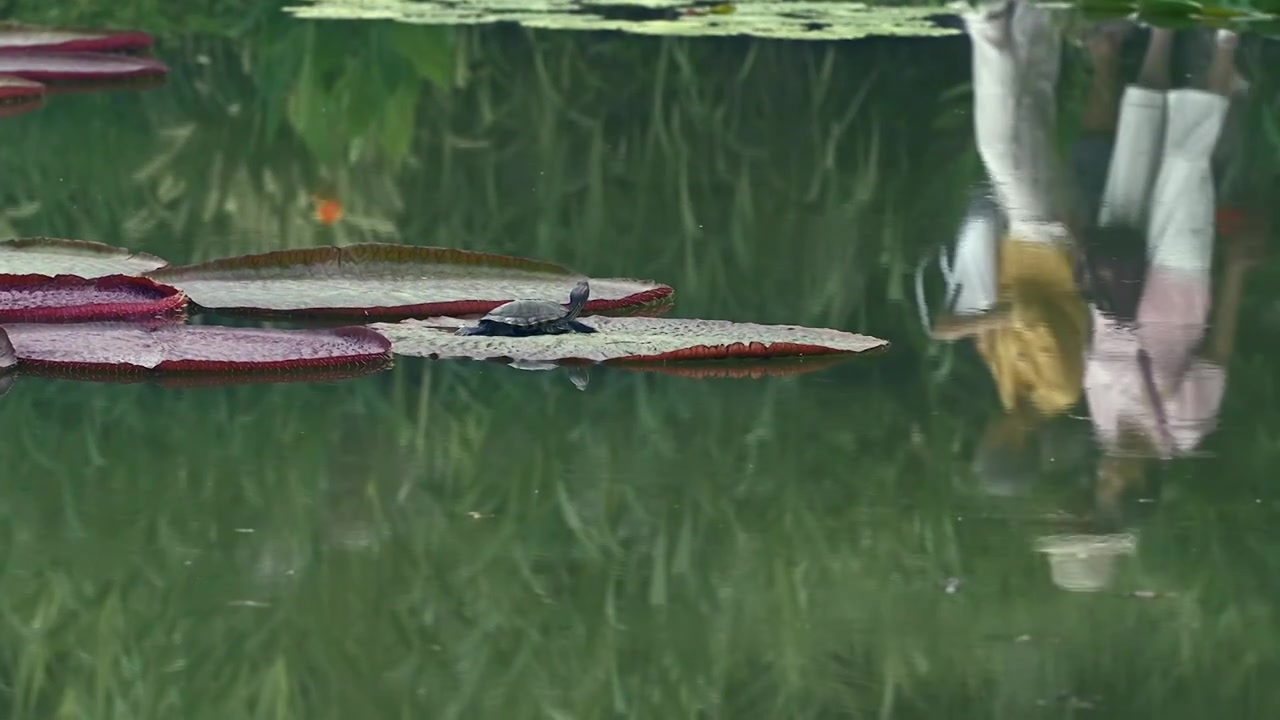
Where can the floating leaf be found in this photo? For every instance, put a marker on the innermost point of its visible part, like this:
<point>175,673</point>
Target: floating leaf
<point>41,298</point>
<point>7,356</point>
<point>792,19</point>
<point>1217,12</point>
<point>177,348</point>
<point>15,37</point>
<point>18,95</point>
<point>85,258</point>
<point>1176,8</point>
<point>1101,11</point>
<point>633,339</point>
<point>68,71</point>
<point>389,281</point>
<point>429,49</point>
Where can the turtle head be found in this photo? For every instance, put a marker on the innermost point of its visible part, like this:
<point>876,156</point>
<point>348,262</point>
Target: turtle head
<point>578,298</point>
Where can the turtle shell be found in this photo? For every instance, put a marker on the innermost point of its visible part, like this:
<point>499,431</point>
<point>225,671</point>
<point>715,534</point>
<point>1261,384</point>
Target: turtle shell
<point>527,312</point>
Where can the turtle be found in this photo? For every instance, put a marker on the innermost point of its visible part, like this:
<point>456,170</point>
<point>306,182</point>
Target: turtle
<point>522,318</point>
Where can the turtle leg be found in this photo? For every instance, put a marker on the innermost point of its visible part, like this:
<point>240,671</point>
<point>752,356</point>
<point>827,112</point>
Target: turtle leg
<point>485,327</point>
<point>576,326</point>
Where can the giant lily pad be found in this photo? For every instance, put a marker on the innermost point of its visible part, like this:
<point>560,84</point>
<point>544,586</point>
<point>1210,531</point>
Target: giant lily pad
<point>632,339</point>
<point>18,95</point>
<point>15,37</point>
<point>69,71</point>
<point>790,19</point>
<point>85,258</point>
<point>41,298</point>
<point>8,358</point>
<point>167,347</point>
<point>386,281</point>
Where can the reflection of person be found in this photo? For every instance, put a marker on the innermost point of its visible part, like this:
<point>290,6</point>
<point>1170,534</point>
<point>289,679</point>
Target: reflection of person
<point>1011,284</point>
<point>1152,390</point>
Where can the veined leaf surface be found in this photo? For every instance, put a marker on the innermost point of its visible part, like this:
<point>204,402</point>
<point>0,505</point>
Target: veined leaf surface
<point>60,256</point>
<point>628,339</point>
<point>176,348</point>
<point>387,281</point>
<point>41,298</point>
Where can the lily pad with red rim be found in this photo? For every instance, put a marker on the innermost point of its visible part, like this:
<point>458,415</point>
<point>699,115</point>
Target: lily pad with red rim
<point>8,358</point>
<point>18,95</point>
<point>19,38</point>
<point>630,339</point>
<point>173,348</point>
<point>69,298</point>
<point>391,282</point>
<point>773,367</point>
<point>73,71</point>
<point>60,256</point>
<point>272,376</point>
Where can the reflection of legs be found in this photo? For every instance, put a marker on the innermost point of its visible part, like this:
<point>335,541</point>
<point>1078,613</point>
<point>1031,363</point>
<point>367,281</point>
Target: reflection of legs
<point>1223,78</point>
<point>1015,72</point>
<point>1091,153</point>
<point>1139,135</point>
<point>1102,103</point>
<point>1180,234</point>
<point>1155,64</point>
<point>1207,68</point>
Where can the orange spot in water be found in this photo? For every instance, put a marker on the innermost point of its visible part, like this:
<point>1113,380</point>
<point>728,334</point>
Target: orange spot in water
<point>328,210</point>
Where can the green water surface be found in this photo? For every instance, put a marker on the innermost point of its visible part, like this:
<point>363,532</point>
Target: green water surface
<point>468,540</point>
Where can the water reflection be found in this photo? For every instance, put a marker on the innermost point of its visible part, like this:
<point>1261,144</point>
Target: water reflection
<point>1097,274</point>
<point>463,540</point>
<point>1010,282</point>
<point>1147,255</point>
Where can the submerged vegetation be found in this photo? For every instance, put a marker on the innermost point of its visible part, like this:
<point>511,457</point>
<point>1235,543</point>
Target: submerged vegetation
<point>458,541</point>
<point>369,553</point>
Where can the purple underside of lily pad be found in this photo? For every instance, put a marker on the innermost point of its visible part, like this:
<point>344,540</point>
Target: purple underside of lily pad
<point>169,347</point>
<point>18,38</point>
<point>8,357</point>
<point>18,95</point>
<point>56,67</point>
<point>67,298</point>
<point>628,339</point>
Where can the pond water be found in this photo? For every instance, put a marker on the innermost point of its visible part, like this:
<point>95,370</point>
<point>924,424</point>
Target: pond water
<point>1024,508</point>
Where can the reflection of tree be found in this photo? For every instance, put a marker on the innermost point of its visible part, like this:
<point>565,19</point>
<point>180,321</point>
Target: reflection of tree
<point>649,548</point>
<point>245,136</point>
<point>553,145</point>
<point>312,110</point>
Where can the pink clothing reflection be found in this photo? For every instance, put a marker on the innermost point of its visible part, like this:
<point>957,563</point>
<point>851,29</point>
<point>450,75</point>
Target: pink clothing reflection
<point>1160,178</point>
<point>1170,328</point>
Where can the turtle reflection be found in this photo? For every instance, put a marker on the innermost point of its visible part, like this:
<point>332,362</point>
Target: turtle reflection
<point>579,375</point>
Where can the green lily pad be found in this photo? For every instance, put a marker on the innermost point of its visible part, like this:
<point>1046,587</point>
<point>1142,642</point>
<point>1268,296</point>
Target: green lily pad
<point>83,258</point>
<point>387,281</point>
<point>630,339</point>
